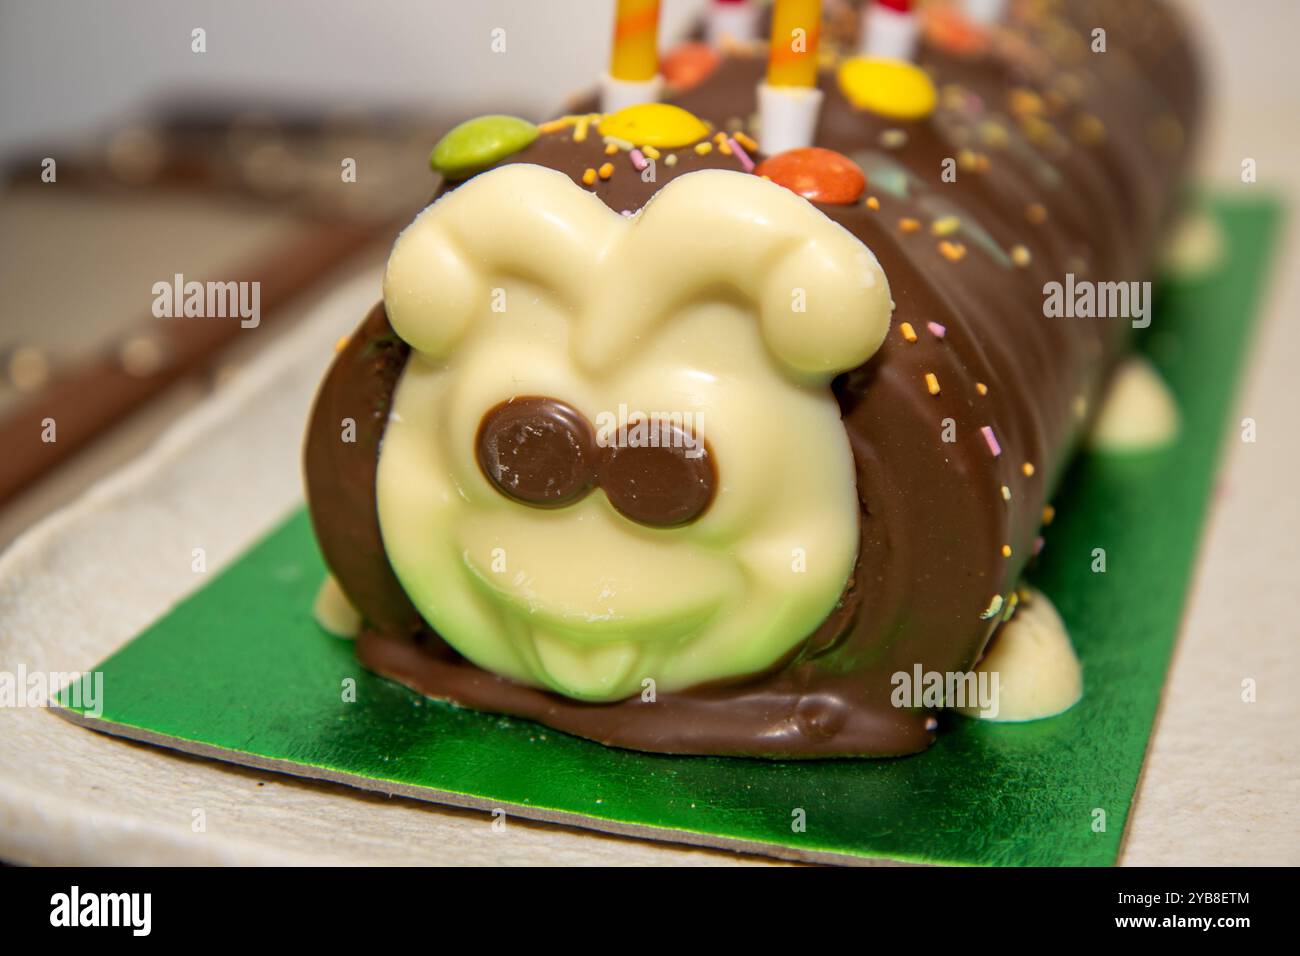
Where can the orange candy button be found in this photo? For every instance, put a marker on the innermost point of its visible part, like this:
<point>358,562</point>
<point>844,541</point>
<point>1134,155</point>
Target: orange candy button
<point>688,65</point>
<point>816,174</point>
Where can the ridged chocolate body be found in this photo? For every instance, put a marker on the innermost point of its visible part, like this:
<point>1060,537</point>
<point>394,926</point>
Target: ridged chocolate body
<point>1083,176</point>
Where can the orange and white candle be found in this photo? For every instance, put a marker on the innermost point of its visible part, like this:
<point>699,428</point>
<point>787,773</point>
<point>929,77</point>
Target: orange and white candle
<point>789,102</point>
<point>633,75</point>
<point>636,41</point>
<point>792,57</point>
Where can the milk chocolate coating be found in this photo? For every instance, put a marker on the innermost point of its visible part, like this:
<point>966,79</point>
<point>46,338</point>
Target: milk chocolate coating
<point>340,474</point>
<point>934,519</point>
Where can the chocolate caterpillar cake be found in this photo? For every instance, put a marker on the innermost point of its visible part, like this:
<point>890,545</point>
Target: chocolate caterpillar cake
<point>674,445</point>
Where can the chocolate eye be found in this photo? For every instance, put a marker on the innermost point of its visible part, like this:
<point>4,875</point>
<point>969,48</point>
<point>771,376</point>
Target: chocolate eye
<point>538,450</point>
<point>660,486</point>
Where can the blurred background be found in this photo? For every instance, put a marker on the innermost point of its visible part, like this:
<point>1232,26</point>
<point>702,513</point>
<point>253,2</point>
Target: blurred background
<point>150,138</point>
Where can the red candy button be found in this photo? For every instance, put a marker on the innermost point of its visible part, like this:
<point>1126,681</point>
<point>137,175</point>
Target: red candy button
<point>820,175</point>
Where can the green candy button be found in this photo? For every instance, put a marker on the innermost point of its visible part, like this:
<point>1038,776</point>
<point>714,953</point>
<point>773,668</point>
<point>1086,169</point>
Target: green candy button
<point>478,143</point>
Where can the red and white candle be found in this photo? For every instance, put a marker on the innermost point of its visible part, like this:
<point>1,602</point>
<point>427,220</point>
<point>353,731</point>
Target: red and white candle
<point>985,12</point>
<point>890,29</point>
<point>732,20</point>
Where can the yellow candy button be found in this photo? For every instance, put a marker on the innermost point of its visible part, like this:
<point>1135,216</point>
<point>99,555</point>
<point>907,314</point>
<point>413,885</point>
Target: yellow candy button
<point>654,124</point>
<point>892,88</point>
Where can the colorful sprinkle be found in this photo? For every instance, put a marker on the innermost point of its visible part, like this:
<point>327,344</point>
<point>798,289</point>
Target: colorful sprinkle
<point>555,125</point>
<point>638,161</point>
<point>1028,469</point>
<point>952,251</point>
<point>1006,493</point>
<point>611,149</point>
<point>1020,256</point>
<point>819,175</point>
<point>589,177</point>
<point>1038,131</point>
<point>937,330</point>
<point>991,611</point>
<point>981,388</point>
<point>580,129</point>
<point>1025,102</point>
<point>945,226</point>
<point>724,147</point>
<point>1006,551</point>
<point>703,149</point>
<point>670,159</point>
<point>606,170</point>
<point>1011,606</point>
<point>909,333</point>
<point>931,383</point>
<point>1038,545</point>
<point>991,440</point>
<point>893,139</point>
<point>746,141</point>
<point>1036,213</point>
<point>742,157</point>
<point>342,343</point>
<point>650,152</point>
<point>873,203</point>
<point>1049,514</point>
<point>972,162</point>
<point>617,143</point>
<point>908,224</point>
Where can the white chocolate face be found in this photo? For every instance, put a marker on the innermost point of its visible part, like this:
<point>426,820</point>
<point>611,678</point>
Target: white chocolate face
<point>581,599</point>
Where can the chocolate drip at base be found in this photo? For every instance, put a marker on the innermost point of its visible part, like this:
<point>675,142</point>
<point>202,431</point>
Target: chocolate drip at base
<point>793,713</point>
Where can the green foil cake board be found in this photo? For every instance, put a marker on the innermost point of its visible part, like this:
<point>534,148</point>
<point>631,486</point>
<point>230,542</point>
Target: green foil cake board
<point>239,671</point>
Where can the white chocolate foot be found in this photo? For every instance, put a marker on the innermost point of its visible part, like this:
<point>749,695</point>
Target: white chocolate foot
<point>1138,412</point>
<point>1038,674</point>
<point>1195,247</point>
<point>333,611</point>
